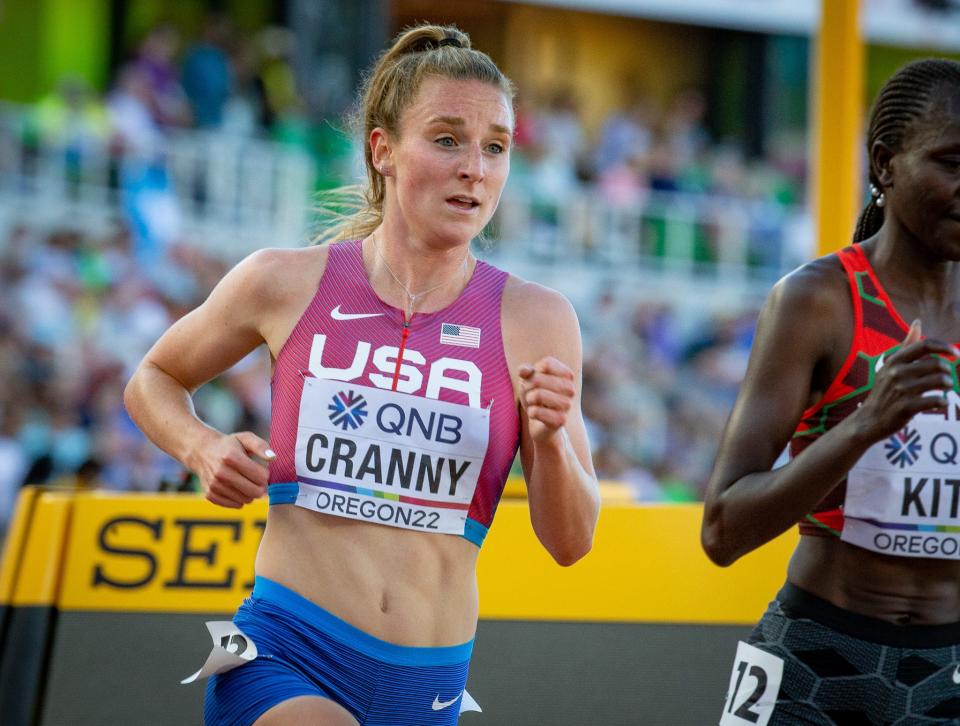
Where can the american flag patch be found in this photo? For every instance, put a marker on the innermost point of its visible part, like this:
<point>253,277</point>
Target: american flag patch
<point>462,335</point>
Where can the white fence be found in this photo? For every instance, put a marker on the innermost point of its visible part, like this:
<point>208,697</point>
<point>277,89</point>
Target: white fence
<point>234,195</point>
<point>693,251</point>
<point>689,235</point>
<point>231,194</point>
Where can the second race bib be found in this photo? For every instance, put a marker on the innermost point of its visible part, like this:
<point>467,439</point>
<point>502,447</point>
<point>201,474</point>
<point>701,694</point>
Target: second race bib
<point>903,495</point>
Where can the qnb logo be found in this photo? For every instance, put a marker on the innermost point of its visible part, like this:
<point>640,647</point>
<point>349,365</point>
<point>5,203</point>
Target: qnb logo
<point>347,410</point>
<point>904,447</point>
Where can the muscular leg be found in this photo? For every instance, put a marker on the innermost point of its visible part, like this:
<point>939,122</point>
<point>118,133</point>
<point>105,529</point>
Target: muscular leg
<point>312,710</point>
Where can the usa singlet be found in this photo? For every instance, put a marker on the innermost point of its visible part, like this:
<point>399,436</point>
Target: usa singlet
<point>903,496</point>
<point>406,424</point>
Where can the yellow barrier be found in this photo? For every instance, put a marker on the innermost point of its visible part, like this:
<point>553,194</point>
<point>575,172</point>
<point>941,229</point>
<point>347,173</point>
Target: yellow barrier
<point>178,553</point>
<point>13,546</point>
<point>646,566</point>
<point>41,560</point>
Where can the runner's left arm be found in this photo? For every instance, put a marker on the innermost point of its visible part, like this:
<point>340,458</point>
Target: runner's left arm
<point>542,340</point>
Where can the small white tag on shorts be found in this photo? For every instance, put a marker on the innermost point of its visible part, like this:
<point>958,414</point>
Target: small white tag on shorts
<point>754,686</point>
<point>468,704</point>
<point>231,648</point>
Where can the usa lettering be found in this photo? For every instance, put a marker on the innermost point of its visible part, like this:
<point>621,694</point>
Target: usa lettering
<point>930,497</point>
<point>451,374</point>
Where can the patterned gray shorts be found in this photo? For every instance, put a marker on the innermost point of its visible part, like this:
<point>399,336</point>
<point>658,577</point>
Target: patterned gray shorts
<point>809,662</point>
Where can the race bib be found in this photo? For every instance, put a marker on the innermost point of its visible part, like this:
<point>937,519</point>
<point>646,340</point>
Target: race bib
<point>388,457</point>
<point>903,495</point>
<point>231,648</point>
<point>754,686</point>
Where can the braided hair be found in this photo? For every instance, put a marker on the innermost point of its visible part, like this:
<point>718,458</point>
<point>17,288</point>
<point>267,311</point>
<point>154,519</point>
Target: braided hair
<point>906,96</point>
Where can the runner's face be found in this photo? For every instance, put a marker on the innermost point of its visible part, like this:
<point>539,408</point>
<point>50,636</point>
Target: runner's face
<point>451,161</point>
<point>925,190</point>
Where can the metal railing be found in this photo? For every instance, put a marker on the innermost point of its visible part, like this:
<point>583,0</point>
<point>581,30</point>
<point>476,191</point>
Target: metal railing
<point>235,194</point>
<point>231,194</point>
<point>676,233</point>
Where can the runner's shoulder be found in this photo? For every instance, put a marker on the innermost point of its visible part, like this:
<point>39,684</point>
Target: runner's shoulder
<point>539,321</point>
<point>272,274</point>
<point>533,308</point>
<point>815,289</point>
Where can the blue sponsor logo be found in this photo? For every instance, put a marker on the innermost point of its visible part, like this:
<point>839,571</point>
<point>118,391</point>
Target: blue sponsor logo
<point>347,410</point>
<point>904,447</point>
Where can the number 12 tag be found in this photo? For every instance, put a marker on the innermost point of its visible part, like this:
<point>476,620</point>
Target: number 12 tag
<point>754,685</point>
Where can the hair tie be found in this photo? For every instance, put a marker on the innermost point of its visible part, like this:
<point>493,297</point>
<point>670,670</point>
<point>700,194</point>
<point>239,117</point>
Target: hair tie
<point>450,41</point>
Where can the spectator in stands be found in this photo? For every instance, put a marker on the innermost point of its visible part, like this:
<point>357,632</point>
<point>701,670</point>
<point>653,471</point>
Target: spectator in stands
<point>243,111</point>
<point>560,130</point>
<point>683,126</point>
<point>156,62</point>
<point>73,120</point>
<point>149,202</point>
<point>625,183</point>
<point>207,74</point>
<point>625,136</point>
<point>275,78</point>
<point>663,168</point>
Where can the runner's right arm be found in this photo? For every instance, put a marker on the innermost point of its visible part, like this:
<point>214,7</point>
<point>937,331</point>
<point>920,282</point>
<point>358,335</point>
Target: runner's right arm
<point>227,326</point>
<point>746,503</point>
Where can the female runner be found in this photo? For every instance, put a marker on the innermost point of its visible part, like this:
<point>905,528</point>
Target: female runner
<point>406,375</point>
<point>867,628</point>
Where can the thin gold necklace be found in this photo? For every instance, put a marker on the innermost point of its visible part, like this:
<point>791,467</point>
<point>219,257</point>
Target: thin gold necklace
<point>412,297</point>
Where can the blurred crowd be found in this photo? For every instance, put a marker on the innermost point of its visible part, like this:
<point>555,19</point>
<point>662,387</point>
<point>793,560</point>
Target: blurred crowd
<point>235,84</point>
<point>222,81</point>
<point>78,312</point>
<point>654,157</point>
<point>659,381</point>
<point>645,147</point>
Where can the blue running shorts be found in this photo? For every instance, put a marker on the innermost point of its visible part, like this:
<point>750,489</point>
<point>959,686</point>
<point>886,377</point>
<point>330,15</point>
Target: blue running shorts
<point>303,650</point>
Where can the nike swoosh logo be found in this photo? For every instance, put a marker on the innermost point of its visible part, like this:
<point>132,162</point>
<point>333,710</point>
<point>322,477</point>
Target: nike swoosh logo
<point>956,675</point>
<point>439,705</point>
<point>337,315</point>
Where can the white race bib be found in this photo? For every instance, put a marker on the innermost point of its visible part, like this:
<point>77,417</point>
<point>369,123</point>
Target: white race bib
<point>754,686</point>
<point>903,495</point>
<point>231,648</point>
<point>388,457</point>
